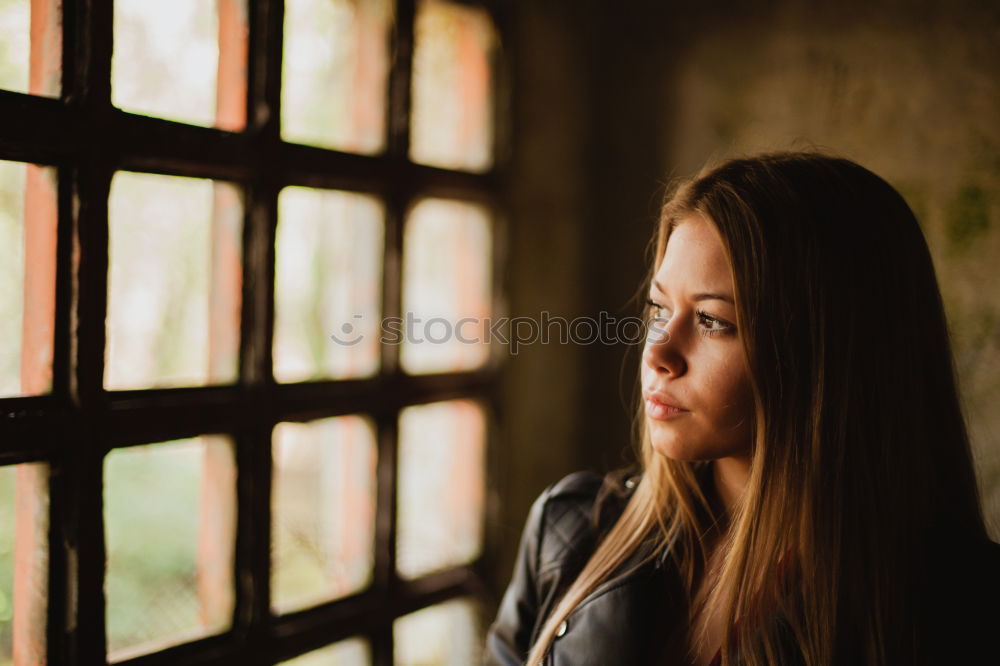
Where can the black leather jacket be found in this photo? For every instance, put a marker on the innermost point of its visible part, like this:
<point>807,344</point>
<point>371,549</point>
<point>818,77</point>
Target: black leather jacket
<point>632,617</point>
<point>562,530</point>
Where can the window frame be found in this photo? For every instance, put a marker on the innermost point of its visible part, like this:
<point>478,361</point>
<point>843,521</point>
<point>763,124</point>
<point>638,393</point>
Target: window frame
<point>72,428</point>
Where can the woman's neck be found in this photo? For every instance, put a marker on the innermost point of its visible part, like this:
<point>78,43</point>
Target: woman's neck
<point>730,477</point>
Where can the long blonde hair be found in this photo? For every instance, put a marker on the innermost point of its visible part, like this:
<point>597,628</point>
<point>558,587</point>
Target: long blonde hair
<point>860,452</point>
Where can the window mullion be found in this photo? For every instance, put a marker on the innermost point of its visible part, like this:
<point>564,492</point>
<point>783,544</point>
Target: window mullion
<point>398,108</point>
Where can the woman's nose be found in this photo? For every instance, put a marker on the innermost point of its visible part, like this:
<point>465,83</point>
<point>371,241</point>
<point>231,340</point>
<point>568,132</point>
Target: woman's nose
<point>662,352</point>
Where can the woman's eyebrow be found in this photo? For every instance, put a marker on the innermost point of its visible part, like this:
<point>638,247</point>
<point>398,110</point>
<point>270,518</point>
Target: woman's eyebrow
<point>713,297</point>
<point>704,296</point>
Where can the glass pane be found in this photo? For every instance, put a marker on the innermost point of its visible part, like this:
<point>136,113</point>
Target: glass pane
<point>352,652</point>
<point>323,510</point>
<point>190,45</point>
<point>170,516</point>
<point>27,277</point>
<point>334,69</point>
<point>447,268</point>
<point>448,634</point>
<point>174,285</point>
<point>31,46</point>
<point>441,486</point>
<point>24,562</point>
<point>328,284</point>
<point>452,120</point>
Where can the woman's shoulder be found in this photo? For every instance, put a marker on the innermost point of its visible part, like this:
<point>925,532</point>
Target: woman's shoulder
<point>590,486</point>
<point>574,513</point>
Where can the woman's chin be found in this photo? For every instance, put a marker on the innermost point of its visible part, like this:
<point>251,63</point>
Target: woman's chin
<point>671,448</point>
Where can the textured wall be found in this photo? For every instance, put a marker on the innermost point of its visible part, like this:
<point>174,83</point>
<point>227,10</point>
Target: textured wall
<point>609,101</point>
<point>540,422</point>
<point>912,93</point>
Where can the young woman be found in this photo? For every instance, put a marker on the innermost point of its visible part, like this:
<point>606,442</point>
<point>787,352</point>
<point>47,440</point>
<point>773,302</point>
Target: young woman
<point>805,493</point>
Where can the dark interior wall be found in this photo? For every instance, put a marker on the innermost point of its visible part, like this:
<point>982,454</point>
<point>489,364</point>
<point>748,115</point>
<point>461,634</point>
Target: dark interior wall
<point>909,90</point>
<point>582,204</point>
<point>539,425</point>
<point>610,101</point>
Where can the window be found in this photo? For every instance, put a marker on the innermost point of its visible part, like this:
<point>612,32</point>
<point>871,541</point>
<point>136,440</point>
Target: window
<point>247,254</point>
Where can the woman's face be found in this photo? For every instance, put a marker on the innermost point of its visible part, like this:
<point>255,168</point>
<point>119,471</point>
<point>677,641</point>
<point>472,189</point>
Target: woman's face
<point>695,384</point>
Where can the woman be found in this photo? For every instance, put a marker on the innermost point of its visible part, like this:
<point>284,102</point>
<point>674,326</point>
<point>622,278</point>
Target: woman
<point>806,492</point>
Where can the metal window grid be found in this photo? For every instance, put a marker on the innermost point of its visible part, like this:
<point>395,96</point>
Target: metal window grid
<point>87,140</point>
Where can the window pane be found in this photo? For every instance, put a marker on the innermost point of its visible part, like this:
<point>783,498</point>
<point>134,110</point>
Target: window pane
<point>448,634</point>
<point>323,510</point>
<point>31,46</point>
<point>193,46</point>
<point>27,277</point>
<point>174,285</point>
<point>328,284</point>
<point>24,562</point>
<point>446,287</point>
<point>336,59</point>
<point>169,513</point>
<point>352,652</point>
<point>441,486</point>
<point>452,120</point>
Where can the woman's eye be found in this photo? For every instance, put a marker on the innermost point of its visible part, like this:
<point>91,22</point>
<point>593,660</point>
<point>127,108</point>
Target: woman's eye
<point>713,325</point>
<point>656,311</point>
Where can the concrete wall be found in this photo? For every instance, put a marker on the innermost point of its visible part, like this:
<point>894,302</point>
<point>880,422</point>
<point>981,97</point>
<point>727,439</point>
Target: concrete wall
<point>911,91</point>
<point>609,102</point>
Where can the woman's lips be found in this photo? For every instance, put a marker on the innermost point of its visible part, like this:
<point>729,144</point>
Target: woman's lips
<point>657,408</point>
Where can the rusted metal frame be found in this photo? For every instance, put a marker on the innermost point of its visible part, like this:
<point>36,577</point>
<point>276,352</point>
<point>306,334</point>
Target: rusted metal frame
<point>385,580</point>
<point>35,129</point>
<point>379,174</point>
<point>80,469</point>
<point>58,616</point>
<point>253,434</point>
<point>397,200</point>
<point>61,343</point>
<point>487,565</point>
<point>83,471</point>
<point>59,420</point>
<point>297,401</point>
<point>297,633</point>
<point>26,456</point>
<point>368,613</point>
<point>216,650</point>
<point>254,462</point>
<point>44,131</point>
<point>252,413</point>
<point>181,413</point>
<point>88,97</point>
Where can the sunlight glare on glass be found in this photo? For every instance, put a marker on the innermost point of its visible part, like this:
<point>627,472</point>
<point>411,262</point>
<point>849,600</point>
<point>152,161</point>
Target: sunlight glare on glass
<point>31,46</point>
<point>453,86</point>
<point>166,60</point>
<point>334,72</point>
<point>448,634</point>
<point>327,284</point>
<point>442,486</point>
<point>174,283</point>
<point>28,222</point>
<point>323,510</point>
<point>447,282</point>
<point>352,652</point>
<point>169,516</point>
<point>24,560</point>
